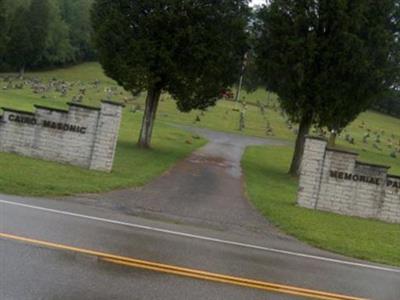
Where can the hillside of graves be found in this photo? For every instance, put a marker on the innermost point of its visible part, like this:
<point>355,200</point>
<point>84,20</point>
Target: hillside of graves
<point>84,84</point>
<point>375,136</point>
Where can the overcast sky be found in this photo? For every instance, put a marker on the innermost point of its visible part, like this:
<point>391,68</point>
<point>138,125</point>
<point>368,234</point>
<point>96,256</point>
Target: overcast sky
<point>257,2</point>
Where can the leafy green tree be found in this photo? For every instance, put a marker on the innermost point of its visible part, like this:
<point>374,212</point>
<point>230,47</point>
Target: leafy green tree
<point>251,77</point>
<point>3,32</point>
<point>60,33</point>
<point>190,49</point>
<point>327,60</point>
<point>389,104</point>
<point>58,49</point>
<point>11,6</point>
<point>19,45</point>
<point>38,25</point>
<point>28,34</point>
<point>76,14</point>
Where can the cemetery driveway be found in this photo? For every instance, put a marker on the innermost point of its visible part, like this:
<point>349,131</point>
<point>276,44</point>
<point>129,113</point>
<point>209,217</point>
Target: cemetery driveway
<point>207,188</point>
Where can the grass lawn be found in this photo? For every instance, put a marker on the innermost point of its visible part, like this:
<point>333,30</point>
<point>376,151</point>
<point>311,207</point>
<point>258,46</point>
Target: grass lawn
<point>268,184</point>
<point>224,116</point>
<point>274,193</point>
<point>132,166</point>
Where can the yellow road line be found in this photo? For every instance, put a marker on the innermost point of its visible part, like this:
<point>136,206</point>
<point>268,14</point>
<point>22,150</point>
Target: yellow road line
<point>186,272</point>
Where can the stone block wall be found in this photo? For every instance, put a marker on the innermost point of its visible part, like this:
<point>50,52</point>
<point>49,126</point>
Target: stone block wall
<point>334,180</point>
<point>106,138</point>
<point>82,135</point>
<point>390,210</point>
<point>311,172</point>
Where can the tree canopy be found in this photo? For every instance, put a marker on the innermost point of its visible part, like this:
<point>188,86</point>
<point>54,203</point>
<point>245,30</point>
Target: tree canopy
<point>389,104</point>
<point>190,49</point>
<point>19,45</point>
<point>328,60</point>
<point>44,33</point>
<point>3,35</point>
<point>38,25</point>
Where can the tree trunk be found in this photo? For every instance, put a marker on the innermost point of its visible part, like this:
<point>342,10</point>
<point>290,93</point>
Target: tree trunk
<point>239,89</point>
<point>237,98</point>
<point>304,129</point>
<point>152,100</point>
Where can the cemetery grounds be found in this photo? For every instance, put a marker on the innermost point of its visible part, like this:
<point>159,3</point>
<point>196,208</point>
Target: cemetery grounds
<point>375,136</point>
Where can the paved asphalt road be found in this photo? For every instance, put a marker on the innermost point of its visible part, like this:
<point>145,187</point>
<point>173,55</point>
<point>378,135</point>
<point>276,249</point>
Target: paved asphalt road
<point>195,216</point>
<point>32,272</point>
<point>206,189</point>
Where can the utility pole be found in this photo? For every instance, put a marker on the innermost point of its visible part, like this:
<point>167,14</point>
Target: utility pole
<point>244,64</point>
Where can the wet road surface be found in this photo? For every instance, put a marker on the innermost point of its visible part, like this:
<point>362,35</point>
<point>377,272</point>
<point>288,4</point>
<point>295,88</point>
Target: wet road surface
<point>205,189</point>
<point>28,269</point>
<point>194,216</point>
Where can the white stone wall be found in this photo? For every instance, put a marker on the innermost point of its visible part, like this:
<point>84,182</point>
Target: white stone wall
<point>65,146</point>
<point>106,137</point>
<point>311,172</point>
<point>333,180</point>
<point>391,202</point>
<point>332,195</point>
<point>17,138</point>
<point>87,133</point>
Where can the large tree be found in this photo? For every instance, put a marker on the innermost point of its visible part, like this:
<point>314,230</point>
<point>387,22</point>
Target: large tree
<point>188,48</point>
<point>58,49</point>
<point>28,34</point>
<point>76,14</point>
<point>3,32</point>
<point>327,60</point>
<point>19,45</point>
<point>59,33</point>
<point>38,25</point>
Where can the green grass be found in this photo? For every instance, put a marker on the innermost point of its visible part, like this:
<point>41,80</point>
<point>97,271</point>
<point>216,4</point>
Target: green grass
<point>132,166</point>
<point>268,184</point>
<point>87,72</point>
<point>224,116</point>
<point>274,193</point>
<point>390,140</point>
